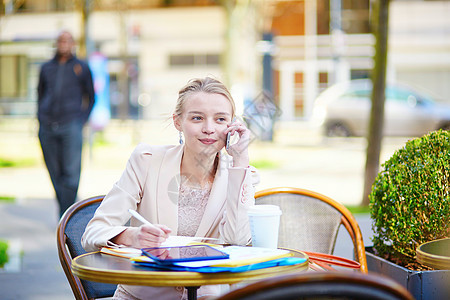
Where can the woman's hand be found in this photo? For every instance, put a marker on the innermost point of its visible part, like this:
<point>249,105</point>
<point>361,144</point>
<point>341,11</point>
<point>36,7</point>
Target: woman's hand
<point>152,235</point>
<point>147,235</point>
<point>239,150</point>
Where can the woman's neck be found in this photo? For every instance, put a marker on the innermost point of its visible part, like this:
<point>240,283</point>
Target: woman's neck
<point>199,168</point>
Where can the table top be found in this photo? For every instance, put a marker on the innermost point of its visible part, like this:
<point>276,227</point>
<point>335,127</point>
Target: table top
<point>99,267</point>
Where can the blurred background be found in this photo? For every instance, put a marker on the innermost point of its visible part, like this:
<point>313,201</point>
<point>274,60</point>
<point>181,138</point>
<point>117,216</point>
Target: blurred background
<point>298,71</point>
<point>146,50</point>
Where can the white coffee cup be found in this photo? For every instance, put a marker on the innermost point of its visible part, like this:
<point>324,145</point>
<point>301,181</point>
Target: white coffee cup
<point>264,225</point>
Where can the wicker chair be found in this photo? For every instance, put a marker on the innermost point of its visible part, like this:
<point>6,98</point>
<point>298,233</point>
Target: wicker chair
<point>311,221</point>
<point>322,285</point>
<point>69,232</point>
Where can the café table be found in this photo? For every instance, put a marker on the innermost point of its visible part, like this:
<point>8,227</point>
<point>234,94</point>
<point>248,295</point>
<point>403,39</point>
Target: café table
<point>96,266</point>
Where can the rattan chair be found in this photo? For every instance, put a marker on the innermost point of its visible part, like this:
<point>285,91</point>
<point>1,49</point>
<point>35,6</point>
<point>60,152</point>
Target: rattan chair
<point>311,221</point>
<point>69,232</point>
<point>322,285</point>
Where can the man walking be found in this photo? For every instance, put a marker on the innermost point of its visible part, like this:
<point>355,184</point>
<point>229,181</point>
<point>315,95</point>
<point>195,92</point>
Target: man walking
<point>65,100</point>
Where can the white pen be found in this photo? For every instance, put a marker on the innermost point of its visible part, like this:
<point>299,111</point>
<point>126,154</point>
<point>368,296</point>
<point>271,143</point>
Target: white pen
<point>175,239</point>
<point>138,216</point>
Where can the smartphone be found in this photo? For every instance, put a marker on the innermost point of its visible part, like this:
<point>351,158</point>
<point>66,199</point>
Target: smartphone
<point>227,143</point>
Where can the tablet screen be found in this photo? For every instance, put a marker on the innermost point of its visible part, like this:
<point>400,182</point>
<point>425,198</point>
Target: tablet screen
<point>184,253</point>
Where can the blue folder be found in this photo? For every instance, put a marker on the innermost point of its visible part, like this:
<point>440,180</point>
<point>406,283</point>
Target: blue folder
<point>285,261</point>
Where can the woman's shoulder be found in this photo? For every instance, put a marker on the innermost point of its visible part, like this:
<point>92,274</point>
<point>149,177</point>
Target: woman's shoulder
<point>145,155</point>
<point>147,149</point>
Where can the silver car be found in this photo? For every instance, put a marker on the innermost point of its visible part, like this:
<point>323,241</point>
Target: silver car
<point>343,110</point>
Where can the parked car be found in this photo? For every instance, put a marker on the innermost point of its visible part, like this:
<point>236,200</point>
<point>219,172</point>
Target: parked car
<point>343,110</point>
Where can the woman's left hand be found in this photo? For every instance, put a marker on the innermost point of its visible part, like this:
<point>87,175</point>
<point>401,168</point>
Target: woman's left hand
<point>239,150</point>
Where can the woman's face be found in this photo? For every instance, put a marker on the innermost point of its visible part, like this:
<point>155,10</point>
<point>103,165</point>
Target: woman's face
<point>203,122</point>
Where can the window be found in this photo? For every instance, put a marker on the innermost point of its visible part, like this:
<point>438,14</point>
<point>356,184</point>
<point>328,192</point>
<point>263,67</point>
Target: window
<point>355,16</point>
<point>180,60</point>
<point>13,76</point>
<point>401,95</point>
<point>359,74</point>
<point>357,93</point>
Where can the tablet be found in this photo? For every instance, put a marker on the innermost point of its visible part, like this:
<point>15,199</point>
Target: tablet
<point>183,253</point>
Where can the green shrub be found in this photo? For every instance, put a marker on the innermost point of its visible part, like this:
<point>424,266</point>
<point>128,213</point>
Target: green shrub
<point>409,201</point>
<point>3,253</point>
<point>265,164</point>
<point>19,163</point>
<point>7,199</point>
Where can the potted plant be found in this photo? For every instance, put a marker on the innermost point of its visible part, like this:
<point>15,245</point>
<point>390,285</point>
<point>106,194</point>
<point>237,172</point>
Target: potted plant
<point>410,205</point>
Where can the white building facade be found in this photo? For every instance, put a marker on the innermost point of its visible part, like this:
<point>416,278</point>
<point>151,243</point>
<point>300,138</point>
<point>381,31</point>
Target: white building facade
<point>161,48</point>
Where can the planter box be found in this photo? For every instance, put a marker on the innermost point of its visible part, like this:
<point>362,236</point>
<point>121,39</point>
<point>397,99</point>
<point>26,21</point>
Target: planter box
<point>421,284</point>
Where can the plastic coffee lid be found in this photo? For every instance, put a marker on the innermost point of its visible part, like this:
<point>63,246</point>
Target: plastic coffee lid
<point>264,210</point>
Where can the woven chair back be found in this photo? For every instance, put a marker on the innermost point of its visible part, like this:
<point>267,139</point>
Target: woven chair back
<point>307,223</point>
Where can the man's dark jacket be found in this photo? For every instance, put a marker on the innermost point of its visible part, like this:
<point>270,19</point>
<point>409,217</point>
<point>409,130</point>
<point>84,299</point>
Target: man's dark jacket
<point>65,92</point>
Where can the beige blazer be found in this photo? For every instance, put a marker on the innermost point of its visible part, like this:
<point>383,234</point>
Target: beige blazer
<point>150,185</point>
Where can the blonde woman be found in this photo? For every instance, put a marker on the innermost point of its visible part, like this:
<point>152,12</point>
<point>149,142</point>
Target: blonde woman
<point>196,188</point>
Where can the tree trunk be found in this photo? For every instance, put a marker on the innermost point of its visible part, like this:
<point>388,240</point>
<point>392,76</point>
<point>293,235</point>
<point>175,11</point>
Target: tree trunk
<point>235,14</point>
<point>375,132</point>
<point>227,55</point>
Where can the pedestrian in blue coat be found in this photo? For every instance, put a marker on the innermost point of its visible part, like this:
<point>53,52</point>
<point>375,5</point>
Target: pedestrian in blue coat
<point>65,100</point>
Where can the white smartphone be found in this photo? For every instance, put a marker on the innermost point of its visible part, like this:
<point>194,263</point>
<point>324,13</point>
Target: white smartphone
<point>227,143</point>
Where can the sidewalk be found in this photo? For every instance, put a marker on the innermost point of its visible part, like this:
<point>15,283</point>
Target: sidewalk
<point>32,224</point>
<point>303,159</point>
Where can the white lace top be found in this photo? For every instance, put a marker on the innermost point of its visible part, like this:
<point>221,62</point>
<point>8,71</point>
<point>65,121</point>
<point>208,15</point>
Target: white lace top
<point>191,206</point>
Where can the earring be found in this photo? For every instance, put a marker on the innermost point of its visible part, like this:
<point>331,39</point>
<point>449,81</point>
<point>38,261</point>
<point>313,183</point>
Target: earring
<point>181,137</point>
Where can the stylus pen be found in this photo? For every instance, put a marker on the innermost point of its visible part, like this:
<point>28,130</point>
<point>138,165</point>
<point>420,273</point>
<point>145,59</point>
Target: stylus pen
<point>138,216</point>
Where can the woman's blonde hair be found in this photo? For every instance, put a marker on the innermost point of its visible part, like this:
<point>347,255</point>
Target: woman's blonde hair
<point>207,85</point>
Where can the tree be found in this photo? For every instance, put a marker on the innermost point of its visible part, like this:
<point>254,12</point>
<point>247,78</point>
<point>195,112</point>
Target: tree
<point>235,13</point>
<point>85,8</point>
<point>375,132</point>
